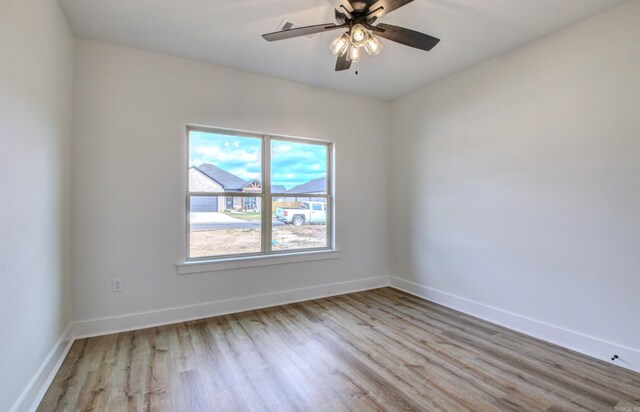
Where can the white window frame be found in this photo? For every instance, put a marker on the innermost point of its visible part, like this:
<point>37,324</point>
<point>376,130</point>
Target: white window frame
<point>266,256</point>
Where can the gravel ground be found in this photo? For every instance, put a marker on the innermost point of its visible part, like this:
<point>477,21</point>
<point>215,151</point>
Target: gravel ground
<point>247,240</point>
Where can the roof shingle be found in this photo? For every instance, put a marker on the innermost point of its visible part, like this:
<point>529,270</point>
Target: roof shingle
<point>318,185</point>
<point>227,180</point>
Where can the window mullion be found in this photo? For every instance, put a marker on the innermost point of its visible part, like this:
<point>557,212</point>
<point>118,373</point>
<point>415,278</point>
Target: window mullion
<point>266,190</point>
<point>330,197</point>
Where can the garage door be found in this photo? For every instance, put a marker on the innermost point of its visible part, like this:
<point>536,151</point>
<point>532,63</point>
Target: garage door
<point>204,204</point>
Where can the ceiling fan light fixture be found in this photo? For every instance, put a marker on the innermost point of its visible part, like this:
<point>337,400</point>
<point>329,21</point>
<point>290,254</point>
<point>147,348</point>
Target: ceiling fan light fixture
<point>372,45</point>
<point>340,45</point>
<point>354,54</point>
<point>358,35</point>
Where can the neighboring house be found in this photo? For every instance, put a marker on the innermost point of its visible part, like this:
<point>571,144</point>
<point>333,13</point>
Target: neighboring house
<point>276,190</point>
<point>318,185</point>
<point>210,178</point>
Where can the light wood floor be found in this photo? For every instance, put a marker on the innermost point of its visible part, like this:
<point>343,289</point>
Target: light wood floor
<point>373,350</point>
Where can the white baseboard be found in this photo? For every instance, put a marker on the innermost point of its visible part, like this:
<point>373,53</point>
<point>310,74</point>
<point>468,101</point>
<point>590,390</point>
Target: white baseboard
<point>105,326</point>
<point>588,345</point>
<point>576,341</point>
<point>37,387</point>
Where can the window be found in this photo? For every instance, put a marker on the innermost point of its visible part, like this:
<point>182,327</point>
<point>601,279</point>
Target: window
<point>251,194</point>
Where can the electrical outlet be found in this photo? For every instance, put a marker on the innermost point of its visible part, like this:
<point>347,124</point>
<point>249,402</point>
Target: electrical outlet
<point>116,285</point>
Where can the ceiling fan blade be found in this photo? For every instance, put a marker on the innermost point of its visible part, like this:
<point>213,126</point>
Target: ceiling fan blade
<point>340,17</point>
<point>343,63</point>
<point>301,31</point>
<point>407,37</point>
<point>388,6</point>
<point>371,27</point>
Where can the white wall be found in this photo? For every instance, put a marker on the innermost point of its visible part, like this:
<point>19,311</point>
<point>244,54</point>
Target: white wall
<point>520,184</point>
<point>36,62</point>
<point>129,175</point>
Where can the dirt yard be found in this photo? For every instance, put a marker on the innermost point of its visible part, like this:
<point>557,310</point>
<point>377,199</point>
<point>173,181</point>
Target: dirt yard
<point>234,241</point>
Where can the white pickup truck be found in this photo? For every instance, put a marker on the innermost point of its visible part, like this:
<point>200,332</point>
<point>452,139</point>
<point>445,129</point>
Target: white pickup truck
<point>308,212</point>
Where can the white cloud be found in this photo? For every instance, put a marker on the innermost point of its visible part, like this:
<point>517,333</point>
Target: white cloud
<point>207,151</point>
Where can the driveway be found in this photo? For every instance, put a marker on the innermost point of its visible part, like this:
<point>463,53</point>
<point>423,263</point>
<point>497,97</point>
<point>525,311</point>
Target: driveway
<point>216,221</point>
<point>213,217</point>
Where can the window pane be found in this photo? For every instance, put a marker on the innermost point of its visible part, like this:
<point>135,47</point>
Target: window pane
<point>299,223</point>
<point>298,168</point>
<point>224,225</point>
<point>224,163</point>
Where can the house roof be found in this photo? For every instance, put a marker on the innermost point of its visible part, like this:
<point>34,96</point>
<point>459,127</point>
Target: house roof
<point>318,185</point>
<point>231,182</point>
<point>227,180</point>
<point>250,182</point>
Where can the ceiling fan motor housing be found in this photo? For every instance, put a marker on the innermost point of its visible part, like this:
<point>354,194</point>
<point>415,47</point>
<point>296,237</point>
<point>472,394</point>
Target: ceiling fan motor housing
<point>359,6</point>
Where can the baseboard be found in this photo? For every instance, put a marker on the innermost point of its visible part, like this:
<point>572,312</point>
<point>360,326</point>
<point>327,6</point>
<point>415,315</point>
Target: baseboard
<point>38,385</point>
<point>105,326</point>
<point>588,345</point>
<point>629,358</point>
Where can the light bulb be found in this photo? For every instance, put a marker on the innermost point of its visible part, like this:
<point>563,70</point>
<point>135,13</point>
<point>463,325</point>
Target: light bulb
<point>358,35</point>
<point>354,54</point>
<point>340,45</point>
<point>372,45</point>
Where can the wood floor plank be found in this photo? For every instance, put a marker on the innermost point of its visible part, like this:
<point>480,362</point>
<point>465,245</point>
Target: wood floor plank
<point>279,371</point>
<point>377,350</point>
<point>66,386</point>
<point>194,394</point>
<point>416,354</point>
<point>340,376</point>
<point>388,353</point>
<point>258,396</point>
<point>431,352</point>
<point>463,337</point>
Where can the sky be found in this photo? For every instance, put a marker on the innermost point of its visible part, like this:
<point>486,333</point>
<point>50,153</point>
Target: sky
<point>292,163</point>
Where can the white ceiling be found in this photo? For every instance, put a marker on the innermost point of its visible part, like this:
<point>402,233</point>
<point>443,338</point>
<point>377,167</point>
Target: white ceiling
<point>227,32</point>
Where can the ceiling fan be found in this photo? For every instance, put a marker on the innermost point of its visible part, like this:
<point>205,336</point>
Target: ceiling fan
<point>357,17</point>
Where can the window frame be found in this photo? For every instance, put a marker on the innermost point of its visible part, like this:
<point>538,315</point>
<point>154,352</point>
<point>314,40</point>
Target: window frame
<point>266,196</point>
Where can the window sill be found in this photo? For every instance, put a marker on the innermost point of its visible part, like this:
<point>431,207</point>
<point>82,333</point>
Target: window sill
<point>188,267</point>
